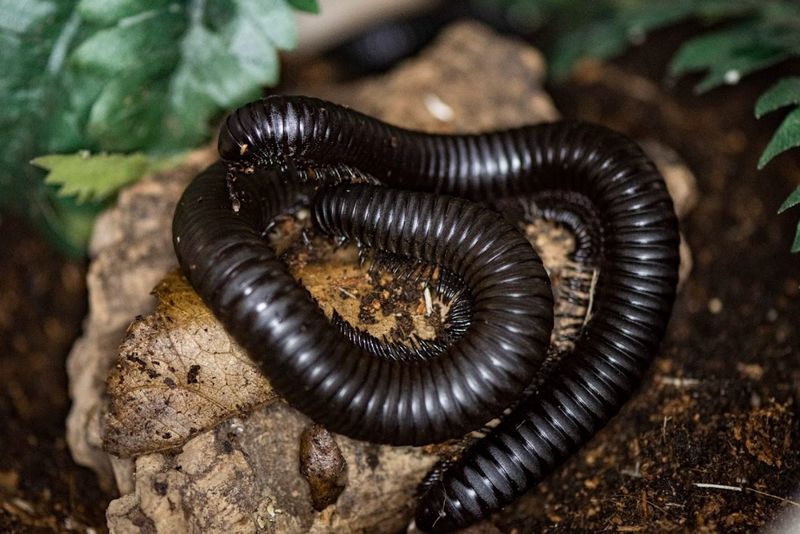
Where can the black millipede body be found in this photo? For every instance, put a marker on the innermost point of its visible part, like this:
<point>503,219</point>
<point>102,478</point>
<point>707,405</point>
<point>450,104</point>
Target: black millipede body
<point>315,367</point>
<point>603,175</point>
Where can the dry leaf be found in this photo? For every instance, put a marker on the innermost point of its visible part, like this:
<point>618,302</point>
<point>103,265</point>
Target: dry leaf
<point>178,373</point>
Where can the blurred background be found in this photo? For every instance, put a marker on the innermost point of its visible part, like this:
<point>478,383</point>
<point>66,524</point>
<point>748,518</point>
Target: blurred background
<point>92,92</point>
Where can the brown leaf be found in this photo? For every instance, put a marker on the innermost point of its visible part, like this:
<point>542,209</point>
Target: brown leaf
<point>178,373</point>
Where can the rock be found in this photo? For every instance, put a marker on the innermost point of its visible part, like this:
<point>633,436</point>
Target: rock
<point>451,86</point>
<point>245,475</point>
<point>130,251</point>
<point>197,440</point>
<point>323,465</point>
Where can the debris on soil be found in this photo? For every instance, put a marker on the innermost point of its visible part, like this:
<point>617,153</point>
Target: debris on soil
<point>365,293</point>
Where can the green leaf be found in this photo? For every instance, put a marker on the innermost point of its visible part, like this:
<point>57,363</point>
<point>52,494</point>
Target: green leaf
<point>88,177</point>
<point>601,40</point>
<point>216,56</point>
<point>121,76</point>
<point>67,224</point>
<point>786,136</point>
<point>784,93</point>
<point>709,50</point>
<point>143,44</point>
<point>122,117</point>
<point>107,12</point>
<point>642,17</point>
<point>736,68</point>
<point>628,22</point>
<point>792,200</point>
<point>780,12</point>
<point>715,10</point>
<point>19,17</point>
<point>728,55</point>
<point>310,6</point>
<point>35,37</point>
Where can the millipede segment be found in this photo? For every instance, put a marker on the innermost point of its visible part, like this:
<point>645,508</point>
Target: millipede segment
<point>599,183</point>
<point>317,368</point>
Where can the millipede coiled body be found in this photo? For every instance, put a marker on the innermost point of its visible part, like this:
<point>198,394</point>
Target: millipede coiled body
<point>324,374</point>
<point>633,241</point>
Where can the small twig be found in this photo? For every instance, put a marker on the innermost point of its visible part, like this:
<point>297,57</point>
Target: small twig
<point>635,472</point>
<point>346,292</point>
<point>777,497</point>
<point>444,505</point>
<point>23,505</point>
<point>592,286</point>
<point>678,382</point>
<point>428,301</point>
<point>716,486</point>
<point>740,489</point>
<point>657,507</point>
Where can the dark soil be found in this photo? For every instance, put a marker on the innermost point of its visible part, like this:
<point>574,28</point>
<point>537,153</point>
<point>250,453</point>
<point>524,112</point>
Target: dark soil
<point>720,406</point>
<point>42,303</point>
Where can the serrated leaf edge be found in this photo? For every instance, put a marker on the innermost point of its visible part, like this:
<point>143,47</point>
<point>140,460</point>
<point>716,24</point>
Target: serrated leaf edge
<point>81,196</point>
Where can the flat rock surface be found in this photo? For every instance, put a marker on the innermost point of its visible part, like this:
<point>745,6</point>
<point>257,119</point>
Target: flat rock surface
<point>192,426</point>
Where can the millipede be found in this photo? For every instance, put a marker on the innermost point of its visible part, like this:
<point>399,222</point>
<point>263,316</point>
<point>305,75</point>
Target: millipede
<point>429,197</point>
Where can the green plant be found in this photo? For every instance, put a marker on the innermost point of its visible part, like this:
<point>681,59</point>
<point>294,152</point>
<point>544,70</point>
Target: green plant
<point>141,79</point>
<point>742,37</point>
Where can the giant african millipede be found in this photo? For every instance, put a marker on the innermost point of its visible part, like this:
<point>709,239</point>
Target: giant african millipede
<point>424,202</point>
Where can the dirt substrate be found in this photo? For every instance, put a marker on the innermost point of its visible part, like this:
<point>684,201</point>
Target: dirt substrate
<point>42,303</point>
<point>719,407</point>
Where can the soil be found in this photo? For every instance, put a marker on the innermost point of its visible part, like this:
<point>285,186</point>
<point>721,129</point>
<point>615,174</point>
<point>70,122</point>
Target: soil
<point>710,443</point>
<point>42,303</point>
<point>721,404</point>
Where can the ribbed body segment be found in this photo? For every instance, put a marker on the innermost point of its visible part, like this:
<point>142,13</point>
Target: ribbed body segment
<point>604,174</point>
<point>317,369</point>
